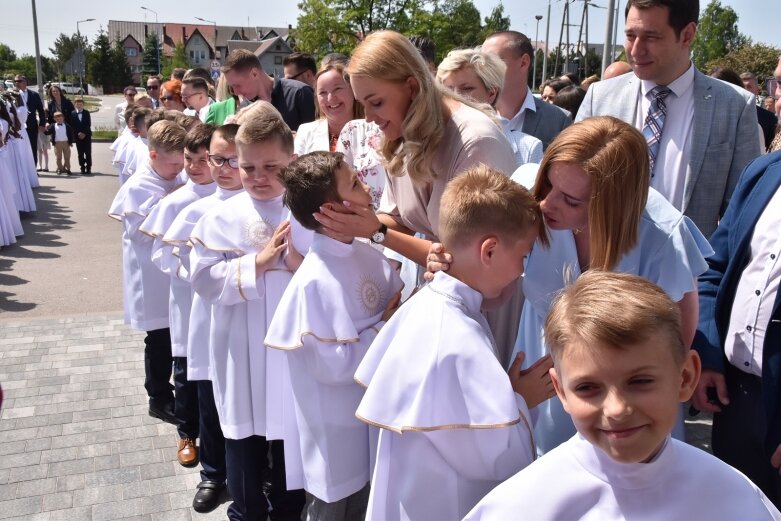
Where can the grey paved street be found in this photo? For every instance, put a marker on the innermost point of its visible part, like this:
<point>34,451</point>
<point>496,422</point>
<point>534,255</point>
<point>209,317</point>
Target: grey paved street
<point>76,442</point>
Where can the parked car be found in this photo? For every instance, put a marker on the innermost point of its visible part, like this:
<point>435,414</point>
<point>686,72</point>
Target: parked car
<point>69,88</point>
<point>9,84</point>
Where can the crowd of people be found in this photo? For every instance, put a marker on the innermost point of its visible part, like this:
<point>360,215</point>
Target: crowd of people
<point>378,288</point>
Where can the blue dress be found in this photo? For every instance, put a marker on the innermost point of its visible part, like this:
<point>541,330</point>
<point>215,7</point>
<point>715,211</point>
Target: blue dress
<point>670,252</point>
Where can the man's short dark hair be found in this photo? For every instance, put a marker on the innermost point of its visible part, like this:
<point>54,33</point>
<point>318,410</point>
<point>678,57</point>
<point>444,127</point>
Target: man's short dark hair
<point>519,43</point>
<point>334,57</point>
<point>728,75</point>
<point>178,73</point>
<point>198,137</point>
<point>241,60</point>
<point>196,83</point>
<point>141,115</point>
<point>426,47</point>
<point>680,13</point>
<point>302,61</point>
<point>309,182</point>
<point>227,132</point>
<point>198,72</point>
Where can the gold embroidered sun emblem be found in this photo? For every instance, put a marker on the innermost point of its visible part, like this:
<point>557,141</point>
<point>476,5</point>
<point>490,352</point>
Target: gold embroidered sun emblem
<point>370,294</point>
<point>258,233</point>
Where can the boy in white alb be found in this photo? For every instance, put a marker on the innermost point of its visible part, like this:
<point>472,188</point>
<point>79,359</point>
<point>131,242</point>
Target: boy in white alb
<point>451,425</point>
<point>330,313</point>
<point>621,370</point>
<point>223,166</point>
<point>244,252</point>
<point>145,286</point>
<point>164,256</point>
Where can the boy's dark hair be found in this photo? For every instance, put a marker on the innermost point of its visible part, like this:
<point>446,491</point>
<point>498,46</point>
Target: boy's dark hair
<point>309,182</point>
<point>426,47</point>
<point>227,132</point>
<point>728,75</point>
<point>570,98</point>
<point>241,60</point>
<point>680,13</point>
<point>142,115</point>
<point>198,72</point>
<point>200,136</point>
<point>129,112</point>
<point>519,43</point>
<point>302,61</point>
<point>178,73</point>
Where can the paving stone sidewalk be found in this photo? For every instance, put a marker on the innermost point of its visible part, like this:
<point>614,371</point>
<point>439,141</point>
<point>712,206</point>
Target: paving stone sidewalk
<point>76,442</point>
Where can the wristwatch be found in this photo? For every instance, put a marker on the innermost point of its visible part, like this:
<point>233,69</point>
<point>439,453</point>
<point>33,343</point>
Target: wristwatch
<point>379,236</point>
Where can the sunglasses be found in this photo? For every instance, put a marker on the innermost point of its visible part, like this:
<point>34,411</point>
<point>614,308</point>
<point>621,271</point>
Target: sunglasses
<point>19,81</point>
<point>218,161</point>
<point>152,87</point>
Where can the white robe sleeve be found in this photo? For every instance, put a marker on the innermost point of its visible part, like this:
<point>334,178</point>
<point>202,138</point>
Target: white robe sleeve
<point>485,454</point>
<point>224,281</point>
<point>163,257</point>
<point>333,363</point>
<point>132,223</point>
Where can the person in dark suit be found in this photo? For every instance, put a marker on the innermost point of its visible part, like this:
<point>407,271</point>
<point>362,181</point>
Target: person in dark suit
<point>739,333</point>
<point>82,127</point>
<point>36,117</point>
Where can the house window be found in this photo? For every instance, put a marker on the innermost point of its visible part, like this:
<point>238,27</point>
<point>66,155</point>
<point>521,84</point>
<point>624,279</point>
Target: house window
<point>192,55</point>
<point>278,47</point>
<point>277,60</point>
<point>131,51</point>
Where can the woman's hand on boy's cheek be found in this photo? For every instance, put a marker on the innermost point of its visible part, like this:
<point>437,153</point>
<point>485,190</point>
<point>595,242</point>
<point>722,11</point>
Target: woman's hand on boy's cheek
<point>348,220</point>
<point>437,260</point>
<point>533,384</point>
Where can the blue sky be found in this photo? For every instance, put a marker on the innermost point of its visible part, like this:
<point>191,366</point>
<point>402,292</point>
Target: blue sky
<point>758,18</point>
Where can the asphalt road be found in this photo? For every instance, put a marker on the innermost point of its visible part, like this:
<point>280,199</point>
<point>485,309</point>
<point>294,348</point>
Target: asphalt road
<point>69,261</point>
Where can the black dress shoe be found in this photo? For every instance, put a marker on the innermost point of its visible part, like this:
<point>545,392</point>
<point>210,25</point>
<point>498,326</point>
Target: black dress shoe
<point>208,496</point>
<point>163,412</point>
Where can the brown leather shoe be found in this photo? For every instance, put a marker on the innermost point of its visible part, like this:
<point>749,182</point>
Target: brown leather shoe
<point>187,452</point>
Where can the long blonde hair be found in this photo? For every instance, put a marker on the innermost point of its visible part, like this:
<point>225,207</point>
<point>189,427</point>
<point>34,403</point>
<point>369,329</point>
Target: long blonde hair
<point>615,156</point>
<point>389,56</point>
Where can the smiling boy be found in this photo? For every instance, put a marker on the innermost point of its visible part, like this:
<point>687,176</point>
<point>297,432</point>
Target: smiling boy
<point>621,370</point>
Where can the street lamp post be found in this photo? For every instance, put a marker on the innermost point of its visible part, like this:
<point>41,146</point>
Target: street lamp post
<point>547,46</point>
<point>81,51</point>
<point>215,32</point>
<point>157,35</point>
<point>536,48</point>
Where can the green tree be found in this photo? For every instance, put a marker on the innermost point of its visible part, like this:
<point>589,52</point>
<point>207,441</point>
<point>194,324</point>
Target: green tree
<point>100,64</point>
<point>178,59</point>
<point>496,21</point>
<point>123,76</point>
<point>149,59</point>
<point>457,25</point>
<point>717,34</point>
<point>757,58</point>
<point>65,47</point>
<point>7,55</point>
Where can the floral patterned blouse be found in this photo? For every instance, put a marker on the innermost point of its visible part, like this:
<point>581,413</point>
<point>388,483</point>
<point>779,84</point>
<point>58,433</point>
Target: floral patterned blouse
<point>360,142</point>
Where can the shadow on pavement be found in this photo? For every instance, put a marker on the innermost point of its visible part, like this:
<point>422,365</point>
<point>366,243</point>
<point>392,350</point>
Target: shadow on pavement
<point>40,233</point>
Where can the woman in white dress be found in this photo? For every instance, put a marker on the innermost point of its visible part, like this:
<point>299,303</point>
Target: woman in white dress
<point>10,224</point>
<point>335,105</point>
<point>25,160</point>
<point>25,200</point>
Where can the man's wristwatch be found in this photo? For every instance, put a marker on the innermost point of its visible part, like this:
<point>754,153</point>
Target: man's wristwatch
<point>379,236</point>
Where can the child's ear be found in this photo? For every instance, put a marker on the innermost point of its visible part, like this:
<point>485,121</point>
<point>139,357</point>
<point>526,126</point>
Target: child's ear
<point>554,376</point>
<point>152,153</point>
<point>293,157</point>
<point>328,206</point>
<point>488,249</point>
<point>690,375</point>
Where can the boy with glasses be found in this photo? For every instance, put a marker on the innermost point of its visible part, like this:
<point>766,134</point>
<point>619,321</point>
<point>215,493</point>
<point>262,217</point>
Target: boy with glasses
<point>195,95</point>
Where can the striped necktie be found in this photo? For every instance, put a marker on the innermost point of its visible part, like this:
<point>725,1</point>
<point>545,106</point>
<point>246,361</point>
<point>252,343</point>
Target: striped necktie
<point>654,122</point>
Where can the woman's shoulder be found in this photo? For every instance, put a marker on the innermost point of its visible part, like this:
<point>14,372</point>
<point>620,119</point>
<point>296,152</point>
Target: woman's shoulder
<point>660,214</point>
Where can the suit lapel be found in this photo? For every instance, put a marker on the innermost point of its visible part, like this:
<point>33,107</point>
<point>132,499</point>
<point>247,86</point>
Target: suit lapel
<point>626,100</point>
<point>704,108</point>
<point>531,119</point>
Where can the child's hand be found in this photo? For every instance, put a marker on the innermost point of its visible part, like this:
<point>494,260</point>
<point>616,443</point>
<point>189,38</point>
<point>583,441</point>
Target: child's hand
<point>437,260</point>
<point>533,384</point>
<point>393,305</point>
<point>270,254</point>
<point>293,259</point>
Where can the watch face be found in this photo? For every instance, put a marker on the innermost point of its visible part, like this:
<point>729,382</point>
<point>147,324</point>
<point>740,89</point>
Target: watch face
<point>378,237</point>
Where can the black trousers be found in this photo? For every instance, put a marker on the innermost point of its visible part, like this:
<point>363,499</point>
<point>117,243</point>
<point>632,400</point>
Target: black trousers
<point>32,133</point>
<point>185,400</point>
<point>157,366</point>
<point>84,152</point>
<point>211,450</point>
<point>256,481</point>
<point>739,433</point>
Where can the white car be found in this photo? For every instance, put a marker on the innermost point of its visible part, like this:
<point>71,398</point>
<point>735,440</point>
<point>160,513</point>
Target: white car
<point>69,88</point>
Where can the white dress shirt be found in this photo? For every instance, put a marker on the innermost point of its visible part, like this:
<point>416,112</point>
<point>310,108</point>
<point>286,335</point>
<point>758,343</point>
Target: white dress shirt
<point>672,166</point>
<point>516,122</point>
<point>60,132</point>
<point>756,293</point>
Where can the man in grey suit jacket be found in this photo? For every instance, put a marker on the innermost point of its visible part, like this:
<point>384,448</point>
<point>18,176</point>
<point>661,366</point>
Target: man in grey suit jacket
<point>517,106</point>
<point>710,133</point>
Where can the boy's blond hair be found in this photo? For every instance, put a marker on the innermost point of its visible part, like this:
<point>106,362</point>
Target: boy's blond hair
<point>166,136</point>
<point>483,201</point>
<point>613,310</point>
<point>264,123</point>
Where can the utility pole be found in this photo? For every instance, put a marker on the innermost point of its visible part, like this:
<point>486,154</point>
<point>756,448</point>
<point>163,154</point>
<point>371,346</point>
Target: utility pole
<point>606,59</point>
<point>81,51</point>
<point>547,46</point>
<point>38,69</point>
<point>536,48</point>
